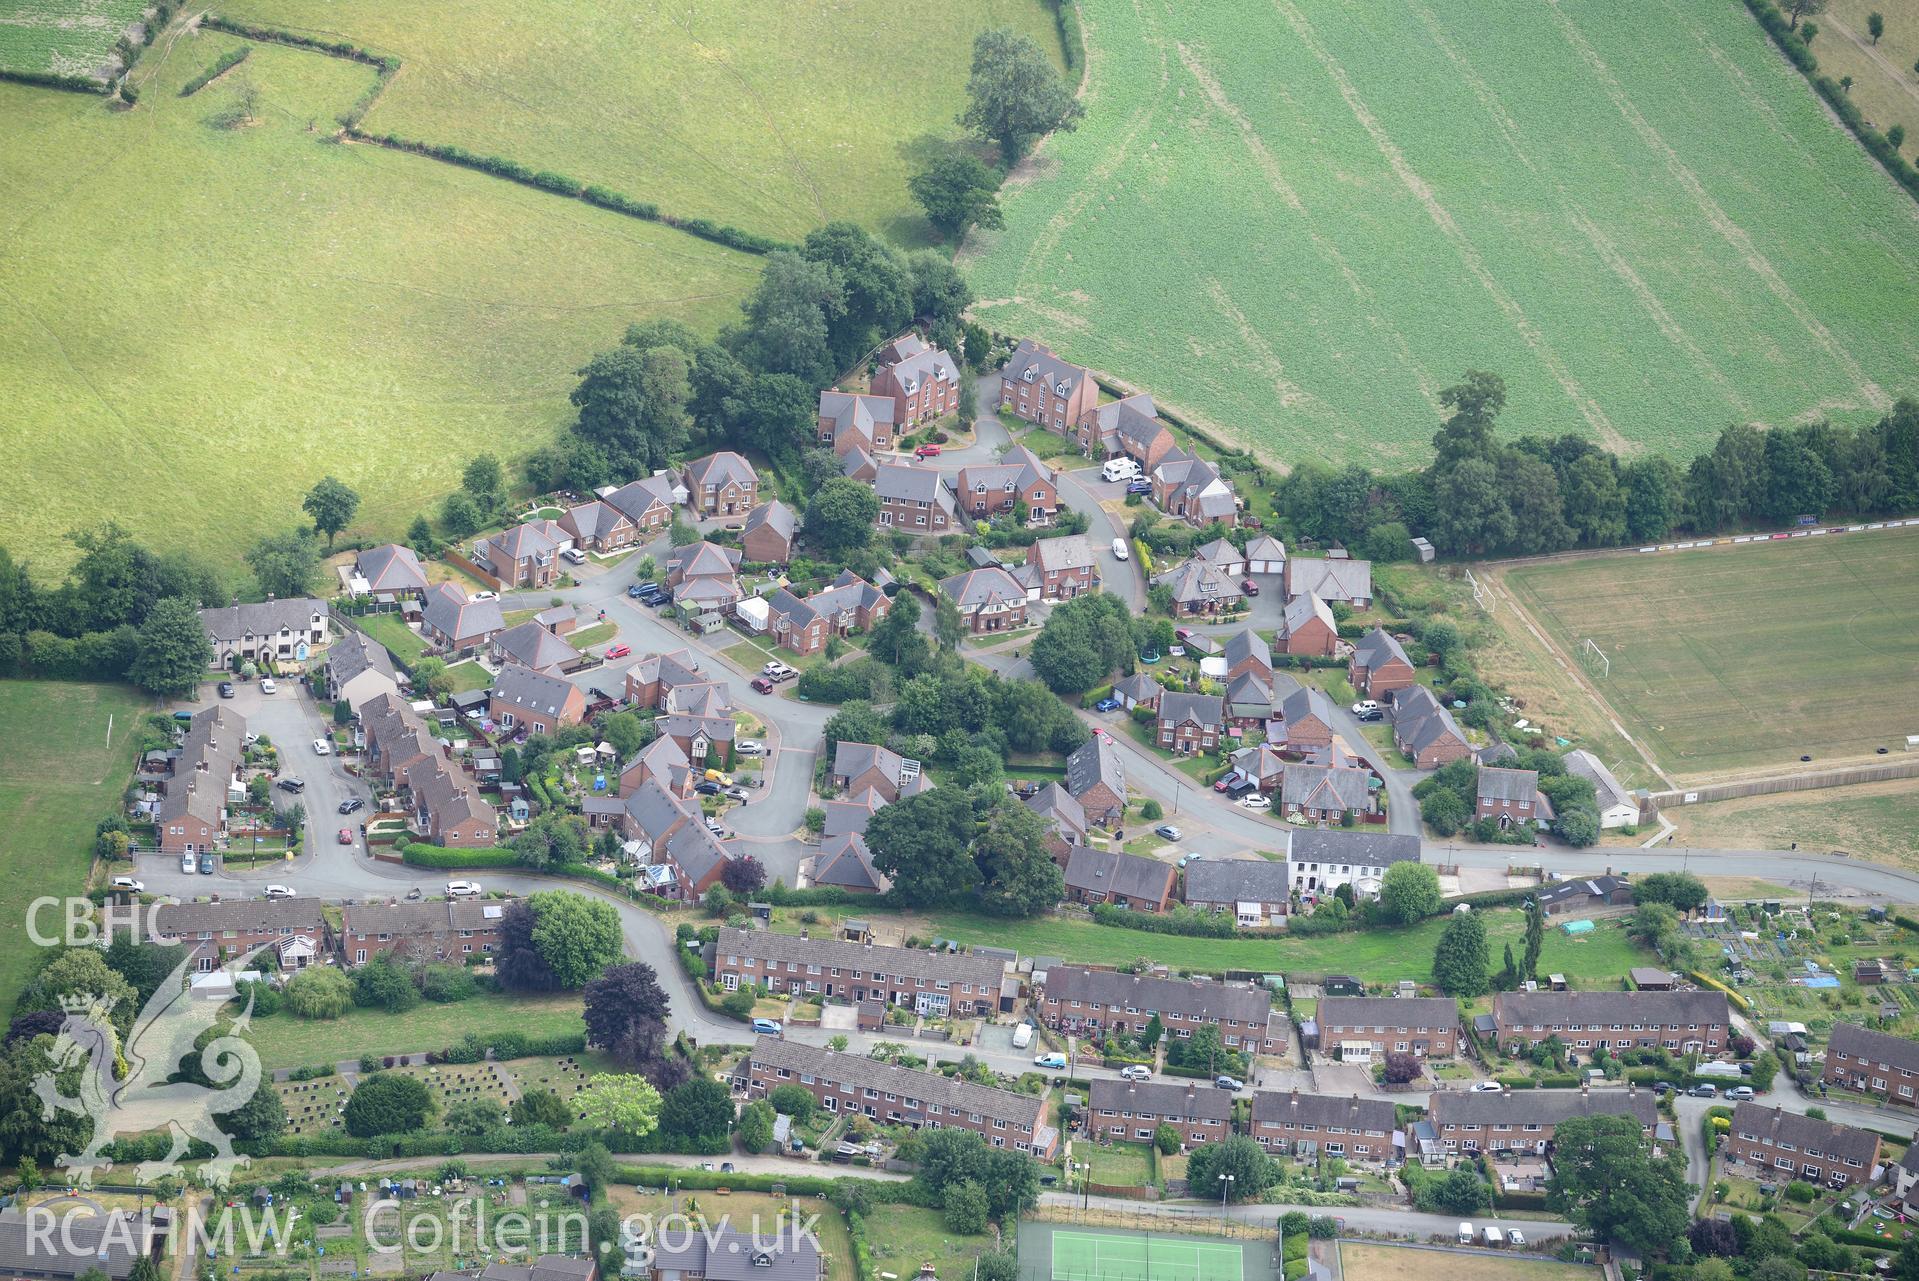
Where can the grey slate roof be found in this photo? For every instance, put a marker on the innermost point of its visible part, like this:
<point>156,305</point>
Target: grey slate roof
<point>722,468</point>
<point>1540,1107</point>
<point>1326,787</point>
<point>655,810</point>
<point>1140,687</point>
<point>1132,421</point>
<point>1879,1047</point>
<point>1304,702</point>
<point>356,652</point>
<point>531,689</point>
<point>1578,888</point>
<point>1070,551</point>
<point>1221,554</point>
<point>391,568</point>
<point>1377,1116</point>
<point>1245,644</point>
<point>1331,578</point>
<point>845,861</point>
<point>851,759</point>
<point>48,1244</point>
<point>849,411</point>
<point>1111,873</point>
<point>1264,547</point>
<point>913,362</point>
<point>1095,761</point>
<point>696,850</point>
<point>1377,647</point>
<point>1236,880</point>
<point>907,483</point>
<point>1607,789</point>
<point>1024,1110</point>
<point>1387,1012</point>
<point>979,589</point>
<point>1303,609</point>
<point>1037,365</point>
<point>634,499</point>
<point>1354,849</point>
<point>1193,580</point>
<point>263,618</point>
<point>729,1254</point>
<point>983,972</point>
<point>1607,1008</point>
<point>1419,719</point>
<point>1199,998</point>
<point>1057,805</point>
<point>531,645</point>
<point>1192,1101</point>
<point>448,610</point>
<point>1820,1139</point>
<point>1203,709</point>
<point>774,515</point>
<point>244,914</point>
<point>1514,785</point>
<point>592,520</point>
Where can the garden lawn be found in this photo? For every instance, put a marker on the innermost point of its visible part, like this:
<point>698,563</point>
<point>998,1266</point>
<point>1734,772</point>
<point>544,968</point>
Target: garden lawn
<point>468,676</point>
<point>1738,656</point>
<point>400,640</point>
<point>1119,1165</point>
<point>902,1237</point>
<point>281,307</point>
<point>60,774</point>
<point>286,1040</point>
<point>1627,211</point>
<point>65,37</point>
<point>1399,1263</point>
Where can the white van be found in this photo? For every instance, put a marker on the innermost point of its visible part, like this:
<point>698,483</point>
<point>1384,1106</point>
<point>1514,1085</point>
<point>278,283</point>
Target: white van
<point>1119,549</point>
<point>1465,1233</point>
<point>1119,469</point>
<point>1022,1036</point>
<point>1494,1237</point>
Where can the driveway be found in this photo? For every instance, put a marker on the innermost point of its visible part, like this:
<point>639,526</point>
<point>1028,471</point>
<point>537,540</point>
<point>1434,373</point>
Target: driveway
<point>1083,491</point>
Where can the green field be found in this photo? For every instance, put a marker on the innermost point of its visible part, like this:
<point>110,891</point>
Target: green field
<point>66,37</point>
<point>1741,656</point>
<point>287,1041</point>
<point>58,777</point>
<point>1298,221</point>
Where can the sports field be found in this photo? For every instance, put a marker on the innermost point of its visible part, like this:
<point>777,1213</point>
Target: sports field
<point>1299,221</point>
<point>1743,656</point>
<point>1051,1252</point>
<point>65,37</point>
<point>1401,1263</point>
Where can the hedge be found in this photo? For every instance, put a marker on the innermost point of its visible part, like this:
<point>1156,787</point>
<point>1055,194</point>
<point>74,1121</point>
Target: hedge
<point>1071,46</point>
<point>1194,924</point>
<point>53,80</point>
<point>273,35</point>
<point>420,854</point>
<point>221,65</point>
<point>1739,1002</point>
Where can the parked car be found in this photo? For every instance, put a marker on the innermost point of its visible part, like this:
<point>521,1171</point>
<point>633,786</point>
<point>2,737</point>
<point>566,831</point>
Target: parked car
<point>186,864</point>
<point>619,651</point>
<point>928,450</point>
<point>750,747</point>
<point>127,885</point>
<point>267,686</point>
<point>463,889</point>
<point>345,836</point>
<point>1256,802</point>
<point>1704,1091</point>
<point>1376,714</point>
<point>633,592</point>
<point>1054,1061</point>
<point>1740,1093</point>
<point>1135,1072</point>
<point>352,805</point>
<point>1139,487</point>
<point>1119,549</point>
<point>1229,1083</point>
<point>721,777</point>
<point>1223,782</point>
<point>1486,1087</point>
<point>735,794</point>
<point>226,689</point>
<point>1516,1238</point>
<point>761,685</point>
<point>291,784</point>
<point>479,596</point>
<point>1184,859</point>
<point>278,891</point>
<point>1107,704</point>
<point>1365,705</point>
<point>778,671</point>
<point>1182,633</point>
<point>768,1027</point>
<point>322,748</point>
<point>1662,1087</point>
<point>1248,586</point>
<point>707,787</point>
<point>1168,831</point>
<point>575,555</point>
<point>206,865</point>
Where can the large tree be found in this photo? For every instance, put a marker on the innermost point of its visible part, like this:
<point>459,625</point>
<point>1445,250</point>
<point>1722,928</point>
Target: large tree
<point>1680,890</point>
<point>625,1012</point>
<point>623,1103</point>
<point>633,405</point>
<point>521,967</point>
<point>1537,508</point>
<point>840,515</point>
<point>1237,1167</point>
<point>958,192</point>
<point>699,1111</point>
<point>577,936</point>
<point>285,564</point>
<point>1606,1178</point>
<point>923,842</point>
<point>173,651</point>
<point>1014,95</point>
<point>331,505</point>
<point>1409,892</point>
<point>1595,505</point>
<point>1461,959</point>
<point>877,288</point>
<point>1021,877</point>
<point>790,317</point>
<point>773,413</point>
<point>1468,430</point>
<point>386,1103</point>
<point>1654,495</point>
<point>1085,640</point>
<point>1472,513</point>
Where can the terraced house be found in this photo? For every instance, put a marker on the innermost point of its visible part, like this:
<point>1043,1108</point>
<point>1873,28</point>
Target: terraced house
<point>855,1085</point>
<point>1525,1120</point>
<point>925,981</point>
<point>921,381</point>
<point>452,930</point>
<point>214,932</point>
<point>1870,1062</point>
<point>1364,1028</point>
<point>1776,1141</point>
<point>722,484</point>
<point>197,781</point>
<point>283,631</point>
<point>1130,1111</point>
<point>1687,1022</point>
<point>1038,386</point>
<point>1084,1001</point>
<point>1308,1124</point>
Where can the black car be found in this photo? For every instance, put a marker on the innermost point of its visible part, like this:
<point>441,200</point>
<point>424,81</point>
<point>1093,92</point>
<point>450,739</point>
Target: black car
<point>226,689</point>
<point>707,787</point>
<point>1375,714</point>
<point>351,804</point>
<point>291,785</point>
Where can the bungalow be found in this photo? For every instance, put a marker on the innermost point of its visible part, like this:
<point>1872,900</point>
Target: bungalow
<point>1222,556</point>
<point>1261,766</point>
<point>768,538</point>
<point>1096,778</point>
<point>1129,427</point>
<point>1379,666</point>
<point>1425,730</point>
<point>359,668</point>
<point>1308,717</point>
<point>280,631</point>
<point>1255,890</point>
<point>531,645</point>
<point>982,491</point>
<point>1336,577</point>
<point>1511,796</point>
<point>805,625</point>
<point>1199,589</point>
<point>599,526</point>
<point>1059,568</point>
<point>1123,880</point>
<point>535,701</point>
<point>1038,386</point>
<point>1617,806</point>
<point>921,381</point>
<point>989,600</point>
<point>848,421</point>
<point>1307,627</point>
<point>388,572</point>
<point>1187,486</point>
<point>1137,690</point>
<point>1190,723</point>
<point>649,503</point>
<point>722,484</point>
<point>524,556</point>
<point>914,499</point>
<point>1265,555</point>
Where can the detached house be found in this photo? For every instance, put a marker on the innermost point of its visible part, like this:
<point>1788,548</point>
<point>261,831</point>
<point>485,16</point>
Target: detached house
<point>1308,718</point>
<point>915,499</point>
<point>648,503</point>
<point>1325,787</point>
<point>1336,577</point>
<point>1131,1111</point>
<point>985,490</point>
<point>1379,667</point>
<point>1222,556</point>
<point>1425,730</point>
<point>921,381</point>
<point>861,767</point>
<point>1123,880</point>
<point>1775,1142</point>
<point>1187,486</point>
<point>1129,427</point>
<point>1190,723</point>
<point>1096,778</point>
<point>526,555</point>
<point>849,421</point>
<point>540,703</point>
<point>844,863</point>
<point>722,484</point>
<point>1307,627</point>
<point>1510,796</point>
<point>989,600</point>
<point>704,577</point>
<point>650,681</point>
<point>1060,568</point>
<point>805,625</point>
<point>280,631</point>
<point>599,526</point>
<point>768,538</point>
<point>1354,1129</point>
<point>1038,386</point>
<point>1137,690</point>
<point>1199,589</point>
<point>389,573</point>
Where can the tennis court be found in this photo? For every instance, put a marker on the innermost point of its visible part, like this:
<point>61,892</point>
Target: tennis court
<point>1058,1253</point>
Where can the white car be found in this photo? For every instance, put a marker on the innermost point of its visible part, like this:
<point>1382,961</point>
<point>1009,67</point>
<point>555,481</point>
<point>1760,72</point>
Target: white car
<point>322,748</point>
<point>1254,801</point>
<point>1365,706</point>
<point>575,555</point>
<point>279,891</point>
<point>775,668</point>
<point>462,889</point>
<point>1135,1072</point>
<point>750,747</point>
<point>187,864</point>
<point>478,596</point>
<point>127,885</point>
<point>1486,1087</point>
<point>267,686</point>
<point>1119,549</point>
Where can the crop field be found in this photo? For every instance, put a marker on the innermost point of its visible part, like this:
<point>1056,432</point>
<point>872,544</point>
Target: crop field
<point>66,37</point>
<point>1297,222</point>
<point>196,324</point>
<point>772,116</point>
<point>1744,656</point>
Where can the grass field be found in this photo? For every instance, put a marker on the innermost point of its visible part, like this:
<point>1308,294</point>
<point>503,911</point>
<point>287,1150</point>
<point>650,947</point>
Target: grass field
<point>58,777</point>
<point>1872,820</point>
<point>67,37</point>
<point>286,1040</point>
<point>1391,1263</point>
<point>1298,222</point>
<point>1743,656</point>
<point>1884,83</point>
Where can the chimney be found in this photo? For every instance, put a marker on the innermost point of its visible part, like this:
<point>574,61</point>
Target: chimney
<point>1506,1092</point>
<point>1295,1099</point>
<point>1585,1088</point>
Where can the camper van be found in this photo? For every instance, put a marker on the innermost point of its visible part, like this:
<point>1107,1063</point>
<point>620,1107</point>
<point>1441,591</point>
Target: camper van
<point>1494,1237</point>
<point>1119,469</point>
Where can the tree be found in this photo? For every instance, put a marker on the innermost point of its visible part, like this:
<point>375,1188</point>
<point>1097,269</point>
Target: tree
<point>756,1126</point>
<point>1678,890</point>
<point>949,629</point>
<point>596,1168</point>
<point>1535,939</point>
<point>382,984</point>
<point>285,564</point>
<point>1607,1180</point>
<point>1014,95</point>
<point>1595,506</point>
<point>319,993</point>
<point>1895,138</point>
<point>483,478</point>
<point>1797,9</point>
<point>386,1103</point>
<point>876,288</point>
<point>173,652</point>
<point>331,504</point>
<point>789,319</point>
<point>576,936</point>
<point>420,536</point>
<point>958,192</point>
<point>623,1103</point>
<point>625,1013</point>
<point>1654,495</point>
<point>795,1101</point>
<point>1444,811</point>
<point>840,515</point>
<point>460,516</point>
<point>1167,1140</point>
<point>1456,1192</point>
<point>430,677</point>
<point>260,1118</point>
<point>1461,959</point>
<point>1468,431</point>
<point>922,842</point>
<point>1401,1067</point>
<point>1240,1157</point>
<point>698,1111</point>
<point>1536,505</point>
<point>1472,512</point>
<point>1409,892</point>
<point>633,405</point>
<point>964,1208</point>
<point>541,1107</point>
<point>471,1116</point>
<point>1875,25</point>
<point>521,967</point>
<point>948,1157</point>
<point>744,875</point>
<point>1021,877</point>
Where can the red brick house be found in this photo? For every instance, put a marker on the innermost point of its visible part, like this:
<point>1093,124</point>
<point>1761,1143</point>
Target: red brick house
<point>599,527</point>
<point>649,503</point>
<point>1041,388</point>
<point>1198,590</point>
<point>1096,778</point>
<point>1510,796</point>
<point>1132,1111</point>
<point>216,932</point>
<point>1308,627</point>
<point>455,930</point>
<point>455,625</point>
<point>982,491</point>
<point>1379,666</point>
<point>1123,880</point>
<point>805,625</point>
<point>1875,1063</point>
<point>768,538</point>
<point>526,555</point>
<point>1130,427</point>
<point>989,600</point>
<point>1354,1129</point>
<point>1059,568</point>
<point>1187,486</point>
<point>1190,723</point>
<point>1777,1142</point>
<point>1247,652</point>
<point>1374,1026</point>
<point>447,807</point>
<point>922,382</point>
<point>1308,717</point>
<point>203,773</point>
<point>1424,729</point>
<point>849,421</point>
<point>1086,1002</point>
<point>1686,1022</point>
<point>535,701</point>
<point>925,980</point>
<point>915,499</point>
<point>722,484</point>
<point>1526,1120</point>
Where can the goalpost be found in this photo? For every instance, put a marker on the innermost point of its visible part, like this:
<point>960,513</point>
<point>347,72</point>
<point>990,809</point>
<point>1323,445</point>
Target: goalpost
<point>1594,659</point>
<point>1482,595</point>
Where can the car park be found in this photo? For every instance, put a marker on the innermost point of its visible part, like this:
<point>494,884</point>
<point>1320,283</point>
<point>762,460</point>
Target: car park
<point>619,651</point>
<point>291,784</point>
<point>226,689</point>
<point>1168,831</point>
<point>322,748</point>
<point>268,687</point>
<point>1119,549</point>
<point>1108,704</point>
<point>1256,802</point>
<point>761,685</point>
<point>462,889</point>
<point>206,865</point>
<point>128,885</point>
<point>1054,1061</point>
<point>344,836</point>
<point>768,1027</point>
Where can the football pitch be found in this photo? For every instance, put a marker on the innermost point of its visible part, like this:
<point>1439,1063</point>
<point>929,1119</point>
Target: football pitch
<point>1049,1253</point>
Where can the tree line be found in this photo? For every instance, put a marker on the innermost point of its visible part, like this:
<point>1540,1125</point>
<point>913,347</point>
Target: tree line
<point>1482,495</point>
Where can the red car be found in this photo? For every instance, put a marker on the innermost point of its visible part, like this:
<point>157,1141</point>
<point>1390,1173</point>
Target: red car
<point>1248,586</point>
<point>926,451</point>
<point>346,836</point>
<point>761,685</point>
<point>619,651</point>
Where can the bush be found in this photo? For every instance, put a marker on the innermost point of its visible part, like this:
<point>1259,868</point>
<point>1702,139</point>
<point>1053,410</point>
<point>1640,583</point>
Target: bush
<point>320,993</point>
<point>420,854</point>
<point>1151,811</point>
<point>387,1104</point>
<point>1188,921</point>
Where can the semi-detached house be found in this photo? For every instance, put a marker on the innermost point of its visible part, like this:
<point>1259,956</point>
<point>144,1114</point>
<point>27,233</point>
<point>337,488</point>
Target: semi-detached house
<point>455,930</point>
<point>1132,1111</point>
<point>1685,1022</point>
<point>1082,1001</point>
<point>1352,1128</point>
<point>935,983</point>
<point>214,932</point>
<point>1870,1062</point>
<point>1780,1142</point>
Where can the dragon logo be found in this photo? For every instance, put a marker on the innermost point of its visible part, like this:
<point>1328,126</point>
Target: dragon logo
<point>142,1099</point>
